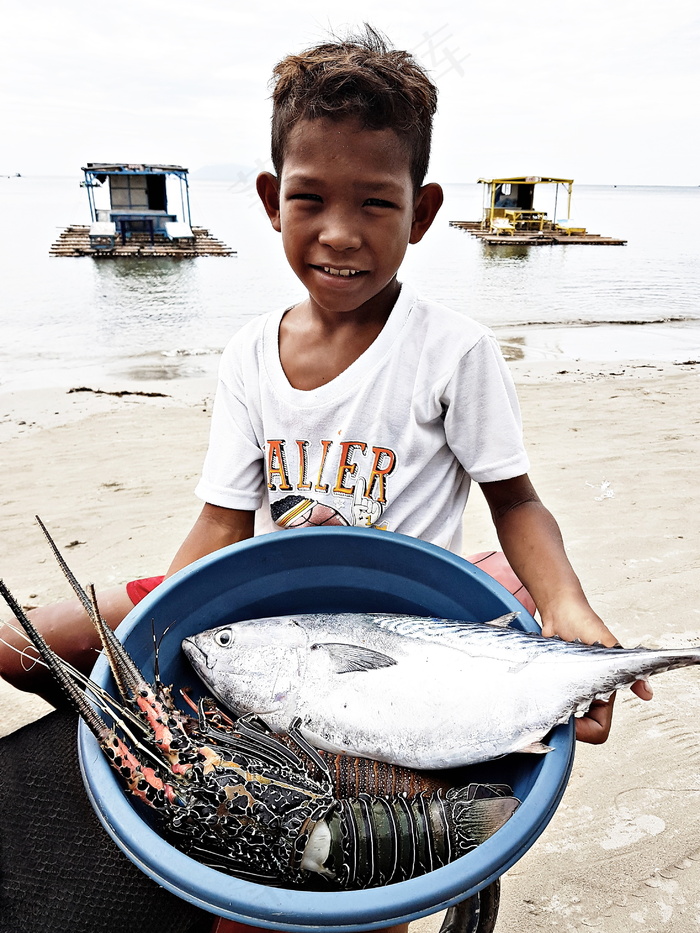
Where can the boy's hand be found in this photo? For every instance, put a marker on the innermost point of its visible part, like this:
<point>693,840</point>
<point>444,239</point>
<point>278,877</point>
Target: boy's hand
<point>594,726</point>
<point>532,543</point>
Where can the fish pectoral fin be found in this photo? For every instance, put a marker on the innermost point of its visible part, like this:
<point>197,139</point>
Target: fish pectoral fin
<point>521,665</point>
<point>504,621</point>
<point>349,658</point>
<point>535,748</point>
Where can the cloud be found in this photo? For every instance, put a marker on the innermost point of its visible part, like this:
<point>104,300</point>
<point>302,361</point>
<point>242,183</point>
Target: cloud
<point>607,88</point>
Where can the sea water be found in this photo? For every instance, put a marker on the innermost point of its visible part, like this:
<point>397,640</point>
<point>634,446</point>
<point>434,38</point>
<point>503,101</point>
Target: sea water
<point>67,320</point>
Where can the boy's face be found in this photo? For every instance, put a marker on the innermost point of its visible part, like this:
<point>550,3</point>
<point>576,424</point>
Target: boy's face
<point>347,210</point>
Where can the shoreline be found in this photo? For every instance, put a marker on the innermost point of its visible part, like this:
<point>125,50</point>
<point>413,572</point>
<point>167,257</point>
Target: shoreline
<point>614,450</point>
<point>577,343</point>
<point>79,395</point>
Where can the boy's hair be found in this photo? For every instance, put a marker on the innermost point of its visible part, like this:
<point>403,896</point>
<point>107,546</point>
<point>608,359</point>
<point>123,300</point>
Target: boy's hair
<point>361,77</point>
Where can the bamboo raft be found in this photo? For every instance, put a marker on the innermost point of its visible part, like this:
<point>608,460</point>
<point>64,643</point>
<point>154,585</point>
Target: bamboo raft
<point>75,241</point>
<point>535,237</point>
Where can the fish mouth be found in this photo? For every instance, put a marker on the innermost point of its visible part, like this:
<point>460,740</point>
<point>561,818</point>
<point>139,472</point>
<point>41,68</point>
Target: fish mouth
<point>194,654</point>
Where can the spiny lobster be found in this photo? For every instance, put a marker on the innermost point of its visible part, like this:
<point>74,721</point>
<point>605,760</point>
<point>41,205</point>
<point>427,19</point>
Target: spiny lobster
<point>260,806</point>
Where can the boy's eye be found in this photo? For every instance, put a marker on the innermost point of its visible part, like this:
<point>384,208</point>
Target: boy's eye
<point>378,202</point>
<point>304,196</point>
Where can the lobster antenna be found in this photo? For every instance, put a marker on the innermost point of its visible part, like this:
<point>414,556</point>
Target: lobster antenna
<point>21,651</point>
<point>56,666</point>
<point>130,681</point>
<point>89,601</point>
<point>66,676</point>
<point>156,652</point>
<point>98,692</point>
<point>67,572</point>
<point>127,675</point>
<point>101,697</point>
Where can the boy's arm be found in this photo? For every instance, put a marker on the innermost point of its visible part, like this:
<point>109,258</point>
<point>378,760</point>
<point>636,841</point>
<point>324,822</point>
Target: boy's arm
<point>532,543</point>
<point>215,528</point>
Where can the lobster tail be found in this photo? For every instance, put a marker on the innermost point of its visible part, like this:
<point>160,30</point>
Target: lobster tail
<point>472,820</point>
<point>379,840</point>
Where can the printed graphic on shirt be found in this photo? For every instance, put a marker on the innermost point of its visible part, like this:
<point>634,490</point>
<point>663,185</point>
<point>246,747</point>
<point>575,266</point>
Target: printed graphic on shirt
<point>296,511</point>
<point>359,472</point>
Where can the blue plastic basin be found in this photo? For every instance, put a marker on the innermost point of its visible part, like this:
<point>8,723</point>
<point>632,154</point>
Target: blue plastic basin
<point>312,570</point>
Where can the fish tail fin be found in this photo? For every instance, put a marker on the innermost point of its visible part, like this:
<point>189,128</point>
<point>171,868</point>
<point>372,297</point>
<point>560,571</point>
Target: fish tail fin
<point>671,658</point>
<point>642,663</point>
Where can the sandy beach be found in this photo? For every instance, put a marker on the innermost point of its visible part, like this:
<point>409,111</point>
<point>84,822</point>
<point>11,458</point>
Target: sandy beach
<point>615,451</point>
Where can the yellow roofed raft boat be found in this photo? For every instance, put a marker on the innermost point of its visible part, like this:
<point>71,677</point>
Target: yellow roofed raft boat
<point>509,216</point>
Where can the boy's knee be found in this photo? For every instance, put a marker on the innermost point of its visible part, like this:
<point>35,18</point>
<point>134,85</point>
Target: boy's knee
<point>68,631</point>
<point>18,659</point>
<point>20,667</point>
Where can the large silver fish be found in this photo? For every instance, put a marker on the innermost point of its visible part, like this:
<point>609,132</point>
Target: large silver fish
<point>419,692</point>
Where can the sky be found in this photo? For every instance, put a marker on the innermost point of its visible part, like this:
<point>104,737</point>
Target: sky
<point>602,91</point>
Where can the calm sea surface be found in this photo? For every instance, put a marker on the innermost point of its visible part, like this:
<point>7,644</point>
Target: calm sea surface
<point>68,319</point>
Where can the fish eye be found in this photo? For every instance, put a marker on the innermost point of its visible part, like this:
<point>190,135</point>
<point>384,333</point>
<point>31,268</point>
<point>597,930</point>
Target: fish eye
<point>224,638</point>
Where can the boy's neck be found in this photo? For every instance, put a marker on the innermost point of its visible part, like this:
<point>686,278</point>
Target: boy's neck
<point>316,346</point>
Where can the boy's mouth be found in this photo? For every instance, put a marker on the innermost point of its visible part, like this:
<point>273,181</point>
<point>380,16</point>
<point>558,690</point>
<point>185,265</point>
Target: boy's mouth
<point>344,273</point>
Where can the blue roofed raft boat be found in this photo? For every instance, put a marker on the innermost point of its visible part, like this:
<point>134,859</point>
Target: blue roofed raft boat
<point>132,214</point>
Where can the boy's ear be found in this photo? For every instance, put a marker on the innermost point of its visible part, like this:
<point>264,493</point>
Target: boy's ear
<point>427,204</point>
<point>268,190</point>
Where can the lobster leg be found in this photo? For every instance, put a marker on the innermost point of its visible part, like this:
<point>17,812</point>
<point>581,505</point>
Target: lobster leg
<point>476,914</point>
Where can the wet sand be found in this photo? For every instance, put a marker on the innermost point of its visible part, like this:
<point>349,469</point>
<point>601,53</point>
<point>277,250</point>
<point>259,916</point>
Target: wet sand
<point>615,450</point>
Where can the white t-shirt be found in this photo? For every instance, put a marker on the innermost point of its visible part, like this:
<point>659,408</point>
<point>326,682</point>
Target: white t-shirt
<point>394,441</point>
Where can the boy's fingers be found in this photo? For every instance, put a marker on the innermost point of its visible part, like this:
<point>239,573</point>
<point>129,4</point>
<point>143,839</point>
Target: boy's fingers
<point>594,727</point>
<point>643,689</point>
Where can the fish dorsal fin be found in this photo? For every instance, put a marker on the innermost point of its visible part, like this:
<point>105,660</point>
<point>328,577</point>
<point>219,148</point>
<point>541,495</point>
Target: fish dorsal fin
<point>453,633</point>
<point>349,658</point>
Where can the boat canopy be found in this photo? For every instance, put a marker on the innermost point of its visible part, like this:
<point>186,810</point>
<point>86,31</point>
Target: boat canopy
<point>118,168</point>
<point>510,200</point>
<point>527,180</point>
<point>138,193</point>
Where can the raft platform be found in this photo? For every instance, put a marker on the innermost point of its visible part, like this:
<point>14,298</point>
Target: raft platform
<point>534,238</point>
<point>75,241</point>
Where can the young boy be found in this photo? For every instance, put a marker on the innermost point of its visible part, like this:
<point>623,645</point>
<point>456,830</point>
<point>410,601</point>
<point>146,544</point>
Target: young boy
<point>361,404</point>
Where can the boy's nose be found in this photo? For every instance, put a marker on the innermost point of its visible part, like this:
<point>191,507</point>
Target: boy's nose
<point>339,233</point>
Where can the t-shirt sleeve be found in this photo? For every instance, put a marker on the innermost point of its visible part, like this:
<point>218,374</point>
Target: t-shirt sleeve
<point>482,415</point>
<point>232,475</point>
